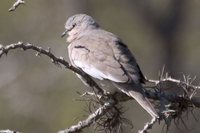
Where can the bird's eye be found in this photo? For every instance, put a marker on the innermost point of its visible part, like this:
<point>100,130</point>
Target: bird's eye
<point>74,25</point>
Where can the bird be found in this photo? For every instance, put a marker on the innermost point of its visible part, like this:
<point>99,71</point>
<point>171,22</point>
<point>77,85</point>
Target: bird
<point>105,58</point>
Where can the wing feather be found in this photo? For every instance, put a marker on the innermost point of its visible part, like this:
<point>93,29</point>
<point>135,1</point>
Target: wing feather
<point>103,56</point>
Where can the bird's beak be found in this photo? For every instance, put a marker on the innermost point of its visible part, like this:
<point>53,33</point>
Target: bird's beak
<point>64,33</point>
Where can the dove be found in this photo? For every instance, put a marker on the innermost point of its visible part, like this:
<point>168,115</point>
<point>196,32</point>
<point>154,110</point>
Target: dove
<point>106,58</point>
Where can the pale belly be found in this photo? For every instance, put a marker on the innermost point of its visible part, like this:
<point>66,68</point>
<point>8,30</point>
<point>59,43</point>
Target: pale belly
<point>108,88</point>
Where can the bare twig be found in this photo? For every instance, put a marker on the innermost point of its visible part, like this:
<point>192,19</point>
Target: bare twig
<point>90,120</point>
<point>179,82</point>
<point>148,126</point>
<point>16,4</point>
<point>195,100</point>
<point>8,131</point>
<point>54,59</point>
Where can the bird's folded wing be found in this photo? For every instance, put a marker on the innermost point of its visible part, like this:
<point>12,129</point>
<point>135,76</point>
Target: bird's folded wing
<point>105,59</point>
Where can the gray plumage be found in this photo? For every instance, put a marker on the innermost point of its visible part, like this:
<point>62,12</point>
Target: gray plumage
<point>104,57</point>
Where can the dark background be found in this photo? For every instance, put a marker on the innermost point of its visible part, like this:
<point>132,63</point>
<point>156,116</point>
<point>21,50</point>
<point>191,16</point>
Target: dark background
<point>38,97</point>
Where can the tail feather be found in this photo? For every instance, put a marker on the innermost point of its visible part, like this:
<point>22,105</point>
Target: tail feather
<point>144,102</point>
<point>136,91</point>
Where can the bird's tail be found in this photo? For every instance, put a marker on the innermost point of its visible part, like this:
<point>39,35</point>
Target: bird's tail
<point>144,102</point>
<point>136,91</point>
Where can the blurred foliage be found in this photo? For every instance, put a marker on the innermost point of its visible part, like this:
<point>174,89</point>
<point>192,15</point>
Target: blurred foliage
<point>38,97</point>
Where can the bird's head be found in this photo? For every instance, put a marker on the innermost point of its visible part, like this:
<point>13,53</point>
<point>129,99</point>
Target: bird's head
<point>79,23</point>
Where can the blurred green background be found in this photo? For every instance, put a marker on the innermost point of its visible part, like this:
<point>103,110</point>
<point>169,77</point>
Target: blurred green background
<point>38,97</point>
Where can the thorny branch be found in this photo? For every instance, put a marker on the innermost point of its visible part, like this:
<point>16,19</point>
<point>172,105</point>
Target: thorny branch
<point>16,4</point>
<point>54,59</point>
<point>148,125</point>
<point>171,96</point>
<point>87,122</point>
<point>180,89</point>
<point>8,131</point>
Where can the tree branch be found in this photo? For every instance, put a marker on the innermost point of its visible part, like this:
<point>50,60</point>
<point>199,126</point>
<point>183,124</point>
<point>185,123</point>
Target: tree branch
<point>148,126</point>
<point>54,59</point>
<point>88,121</point>
<point>16,4</point>
<point>8,131</point>
<point>188,90</point>
<point>170,102</point>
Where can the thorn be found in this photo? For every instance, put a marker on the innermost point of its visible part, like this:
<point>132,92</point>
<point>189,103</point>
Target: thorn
<point>61,58</point>
<point>49,50</point>
<point>20,43</point>
<point>84,94</point>
<point>1,47</point>
<point>16,4</point>
<point>184,78</point>
<point>38,54</point>
<point>193,79</point>
<point>162,72</point>
<point>52,60</point>
<point>28,44</point>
